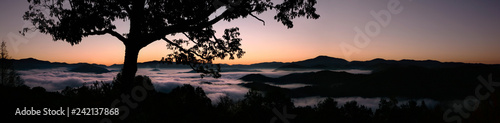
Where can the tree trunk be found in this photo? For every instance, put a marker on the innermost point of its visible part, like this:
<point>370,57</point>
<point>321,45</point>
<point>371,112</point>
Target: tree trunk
<point>129,68</point>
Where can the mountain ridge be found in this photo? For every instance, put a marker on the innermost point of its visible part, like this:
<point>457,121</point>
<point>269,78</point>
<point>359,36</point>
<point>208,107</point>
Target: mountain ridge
<point>319,62</point>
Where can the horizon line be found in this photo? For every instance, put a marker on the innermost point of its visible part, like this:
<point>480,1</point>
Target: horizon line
<point>270,61</point>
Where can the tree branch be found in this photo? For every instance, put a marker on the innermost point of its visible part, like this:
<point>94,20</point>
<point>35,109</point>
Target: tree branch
<point>224,47</point>
<point>187,27</point>
<point>117,35</point>
<point>95,33</point>
<point>189,37</point>
<point>258,18</point>
<point>182,48</point>
<point>107,31</point>
<point>125,6</point>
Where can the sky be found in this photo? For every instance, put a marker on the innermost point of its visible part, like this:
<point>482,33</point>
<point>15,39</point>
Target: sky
<point>444,30</point>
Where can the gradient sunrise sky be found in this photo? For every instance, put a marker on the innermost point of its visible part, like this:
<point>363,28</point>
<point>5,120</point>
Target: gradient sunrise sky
<point>444,30</point>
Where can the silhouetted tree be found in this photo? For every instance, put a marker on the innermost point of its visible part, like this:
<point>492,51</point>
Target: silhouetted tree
<point>225,103</point>
<point>253,108</point>
<point>410,112</point>
<point>225,110</point>
<point>188,104</point>
<point>354,113</point>
<point>274,98</point>
<point>153,20</point>
<point>388,111</point>
<point>328,110</point>
<point>5,62</point>
<point>8,75</point>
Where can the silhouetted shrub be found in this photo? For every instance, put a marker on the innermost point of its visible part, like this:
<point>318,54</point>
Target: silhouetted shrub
<point>354,113</point>
<point>8,75</point>
<point>189,104</point>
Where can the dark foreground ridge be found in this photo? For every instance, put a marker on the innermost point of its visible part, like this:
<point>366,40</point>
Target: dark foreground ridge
<point>88,68</point>
<point>399,81</point>
<point>188,104</point>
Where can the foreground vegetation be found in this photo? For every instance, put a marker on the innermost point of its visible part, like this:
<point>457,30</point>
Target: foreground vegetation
<point>190,104</point>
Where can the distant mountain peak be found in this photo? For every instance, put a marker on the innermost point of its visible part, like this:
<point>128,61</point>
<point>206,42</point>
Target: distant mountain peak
<point>320,61</point>
<point>30,59</point>
<point>323,58</point>
<point>378,59</point>
<point>327,57</point>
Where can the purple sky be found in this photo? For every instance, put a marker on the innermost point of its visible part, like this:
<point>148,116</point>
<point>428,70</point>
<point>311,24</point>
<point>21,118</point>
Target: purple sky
<point>444,30</point>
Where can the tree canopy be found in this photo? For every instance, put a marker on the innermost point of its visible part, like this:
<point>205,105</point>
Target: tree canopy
<point>153,20</point>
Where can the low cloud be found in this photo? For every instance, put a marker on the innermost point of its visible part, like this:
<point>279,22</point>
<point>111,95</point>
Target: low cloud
<point>57,79</point>
<point>166,87</point>
<point>164,81</point>
<point>53,85</point>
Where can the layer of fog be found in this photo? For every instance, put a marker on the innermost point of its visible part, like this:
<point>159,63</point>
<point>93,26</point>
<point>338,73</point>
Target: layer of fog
<point>167,79</point>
